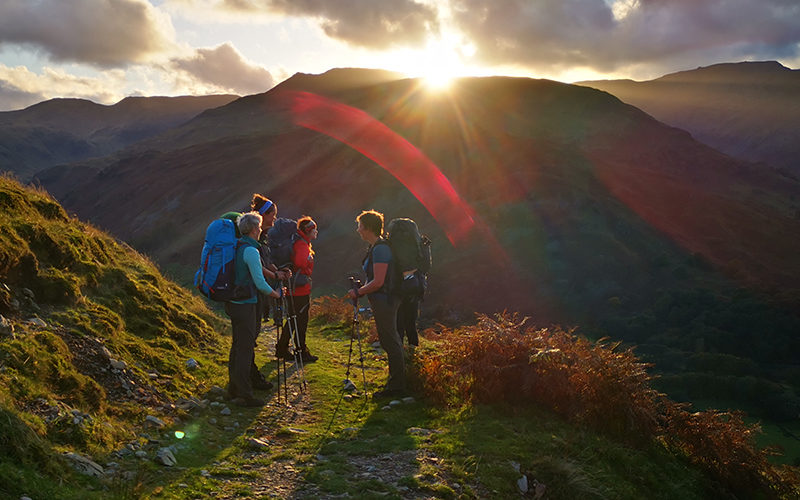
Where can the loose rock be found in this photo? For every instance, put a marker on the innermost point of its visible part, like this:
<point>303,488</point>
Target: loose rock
<point>154,421</point>
<point>6,327</point>
<point>257,443</point>
<point>84,465</point>
<point>216,391</point>
<point>166,457</point>
<point>37,322</point>
<point>118,365</point>
<point>522,484</point>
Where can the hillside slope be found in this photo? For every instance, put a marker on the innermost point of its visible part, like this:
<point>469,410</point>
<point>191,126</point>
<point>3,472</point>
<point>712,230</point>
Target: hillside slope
<point>749,110</point>
<point>93,340</point>
<point>65,130</point>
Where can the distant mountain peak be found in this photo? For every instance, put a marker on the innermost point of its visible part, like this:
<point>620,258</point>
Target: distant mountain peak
<point>340,79</point>
<point>740,72</point>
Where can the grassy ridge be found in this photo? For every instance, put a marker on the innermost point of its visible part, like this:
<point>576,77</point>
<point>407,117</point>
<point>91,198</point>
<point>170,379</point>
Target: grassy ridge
<point>94,296</point>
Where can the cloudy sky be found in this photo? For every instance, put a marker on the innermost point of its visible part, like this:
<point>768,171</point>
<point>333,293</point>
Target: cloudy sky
<point>104,50</point>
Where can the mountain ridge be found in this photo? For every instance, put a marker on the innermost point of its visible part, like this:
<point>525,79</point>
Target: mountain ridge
<point>749,110</point>
<point>62,130</point>
<point>550,117</point>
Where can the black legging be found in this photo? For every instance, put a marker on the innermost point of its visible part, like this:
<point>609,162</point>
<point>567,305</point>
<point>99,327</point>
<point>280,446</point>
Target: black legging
<point>298,305</point>
<point>407,320</point>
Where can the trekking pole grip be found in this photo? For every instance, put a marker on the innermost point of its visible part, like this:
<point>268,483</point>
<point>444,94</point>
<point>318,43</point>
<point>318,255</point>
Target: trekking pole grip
<point>354,285</point>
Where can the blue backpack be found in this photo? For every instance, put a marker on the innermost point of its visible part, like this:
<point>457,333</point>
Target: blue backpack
<point>217,273</point>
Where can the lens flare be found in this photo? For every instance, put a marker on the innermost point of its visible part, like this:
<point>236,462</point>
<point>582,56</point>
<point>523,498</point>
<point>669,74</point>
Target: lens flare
<point>179,434</point>
<point>389,150</point>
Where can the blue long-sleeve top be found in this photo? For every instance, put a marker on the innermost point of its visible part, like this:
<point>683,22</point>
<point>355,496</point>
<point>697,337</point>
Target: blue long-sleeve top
<point>252,261</point>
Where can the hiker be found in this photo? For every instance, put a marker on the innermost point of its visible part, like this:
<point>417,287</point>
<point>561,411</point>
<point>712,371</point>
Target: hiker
<point>377,266</point>
<point>413,257</point>
<point>268,211</point>
<point>300,302</point>
<point>244,313</point>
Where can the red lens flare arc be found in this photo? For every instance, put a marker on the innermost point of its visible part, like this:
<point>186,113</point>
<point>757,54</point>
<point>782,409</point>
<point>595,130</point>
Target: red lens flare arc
<point>392,152</point>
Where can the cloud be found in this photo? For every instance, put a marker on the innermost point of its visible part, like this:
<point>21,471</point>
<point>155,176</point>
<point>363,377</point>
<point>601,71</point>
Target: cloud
<point>104,33</point>
<point>607,35</point>
<point>222,68</point>
<point>374,24</point>
<point>12,97</point>
<point>20,87</point>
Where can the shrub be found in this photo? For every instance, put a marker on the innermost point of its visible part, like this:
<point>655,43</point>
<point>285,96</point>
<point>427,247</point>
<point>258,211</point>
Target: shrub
<point>338,312</point>
<point>598,385</point>
<point>332,310</point>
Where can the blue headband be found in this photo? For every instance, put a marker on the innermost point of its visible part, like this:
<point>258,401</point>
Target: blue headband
<point>265,207</point>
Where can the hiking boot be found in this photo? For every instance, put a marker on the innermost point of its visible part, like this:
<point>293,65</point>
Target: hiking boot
<point>248,402</point>
<point>283,354</point>
<point>262,385</point>
<point>307,357</point>
<point>388,393</point>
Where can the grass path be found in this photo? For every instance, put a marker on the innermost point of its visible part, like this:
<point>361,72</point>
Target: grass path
<point>328,444</point>
<point>324,443</point>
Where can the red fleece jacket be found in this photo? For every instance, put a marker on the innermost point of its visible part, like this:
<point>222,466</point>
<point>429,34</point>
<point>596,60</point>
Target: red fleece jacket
<point>303,260</point>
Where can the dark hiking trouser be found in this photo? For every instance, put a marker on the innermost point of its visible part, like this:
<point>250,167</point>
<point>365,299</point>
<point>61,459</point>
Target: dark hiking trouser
<point>261,309</point>
<point>407,320</point>
<point>384,310</point>
<point>298,306</point>
<point>242,356</point>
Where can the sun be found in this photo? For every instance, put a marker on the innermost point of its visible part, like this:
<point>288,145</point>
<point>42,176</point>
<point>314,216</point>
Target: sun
<point>440,64</point>
<point>437,65</point>
<point>438,80</point>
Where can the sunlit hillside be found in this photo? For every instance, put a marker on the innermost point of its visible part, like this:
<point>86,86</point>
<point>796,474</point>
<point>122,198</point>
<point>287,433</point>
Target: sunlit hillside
<point>93,342</point>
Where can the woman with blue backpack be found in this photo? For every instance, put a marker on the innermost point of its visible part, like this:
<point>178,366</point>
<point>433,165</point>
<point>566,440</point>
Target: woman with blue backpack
<point>244,313</point>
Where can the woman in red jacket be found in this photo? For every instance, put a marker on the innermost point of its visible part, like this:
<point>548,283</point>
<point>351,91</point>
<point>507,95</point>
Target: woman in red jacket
<point>303,266</point>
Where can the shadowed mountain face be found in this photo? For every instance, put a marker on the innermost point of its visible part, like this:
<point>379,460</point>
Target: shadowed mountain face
<point>749,110</point>
<point>593,213</point>
<point>65,130</point>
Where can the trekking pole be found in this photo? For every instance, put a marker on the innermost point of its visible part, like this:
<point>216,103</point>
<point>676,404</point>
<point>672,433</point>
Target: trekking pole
<point>298,352</point>
<point>291,326</point>
<point>280,315</point>
<point>355,284</point>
